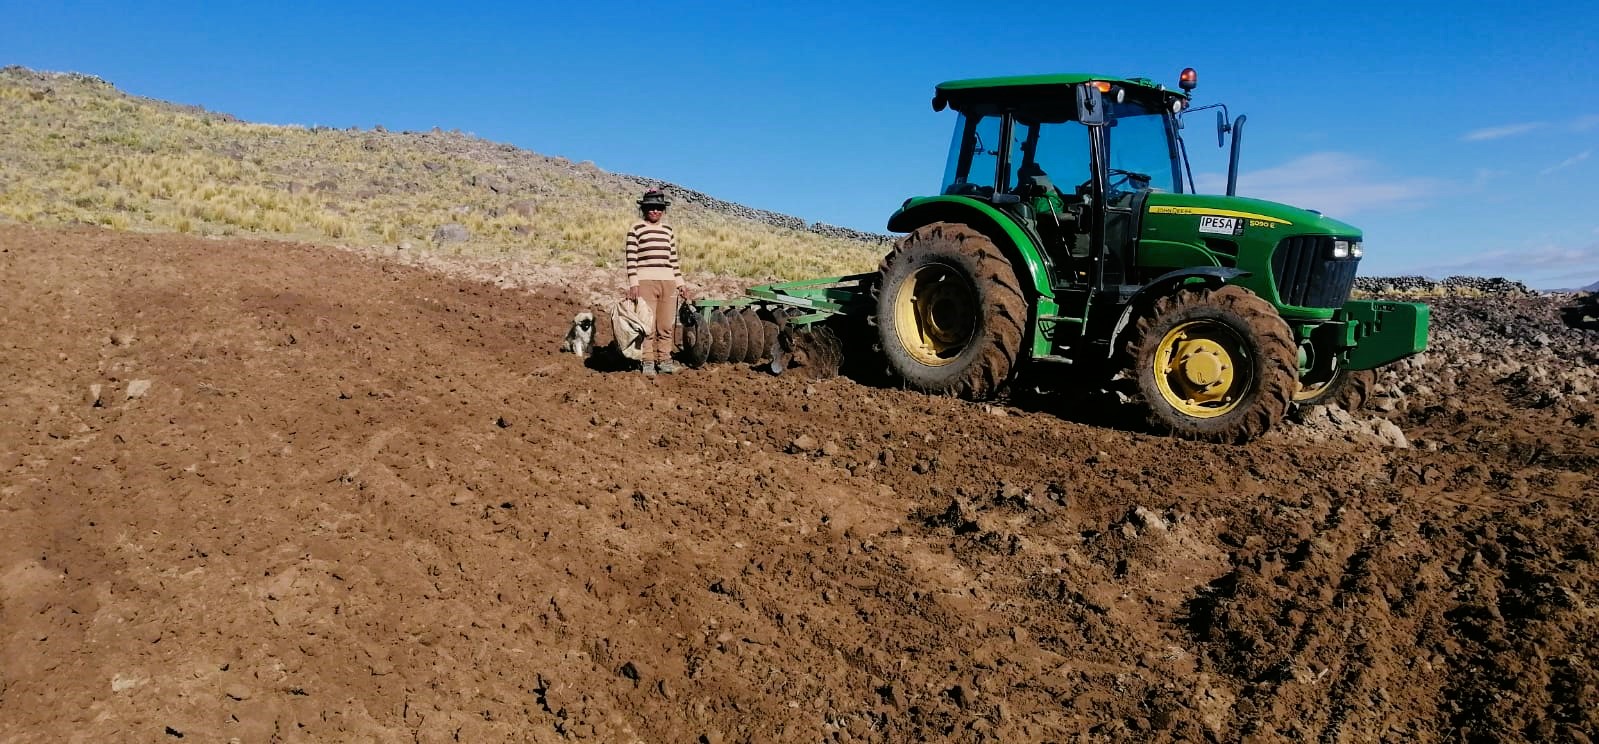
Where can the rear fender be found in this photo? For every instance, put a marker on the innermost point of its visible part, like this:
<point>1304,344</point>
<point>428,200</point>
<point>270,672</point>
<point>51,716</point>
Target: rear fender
<point>1203,276</point>
<point>1010,238</point>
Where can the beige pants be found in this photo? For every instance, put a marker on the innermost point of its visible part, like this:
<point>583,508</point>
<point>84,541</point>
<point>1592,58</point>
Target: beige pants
<point>661,296</point>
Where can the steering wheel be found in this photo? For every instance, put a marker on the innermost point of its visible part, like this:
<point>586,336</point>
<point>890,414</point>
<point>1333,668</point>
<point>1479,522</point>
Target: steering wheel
<point>1117,176</point>
<point>1127,177</point>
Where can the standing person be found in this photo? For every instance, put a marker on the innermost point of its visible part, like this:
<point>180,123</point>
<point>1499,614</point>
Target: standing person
<point>655,276</point>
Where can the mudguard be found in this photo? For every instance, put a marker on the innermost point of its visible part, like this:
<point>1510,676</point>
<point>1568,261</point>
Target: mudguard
<point>1015,243</point>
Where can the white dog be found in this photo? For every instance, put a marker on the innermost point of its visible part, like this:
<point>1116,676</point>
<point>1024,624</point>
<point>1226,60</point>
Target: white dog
<point>580,337</point>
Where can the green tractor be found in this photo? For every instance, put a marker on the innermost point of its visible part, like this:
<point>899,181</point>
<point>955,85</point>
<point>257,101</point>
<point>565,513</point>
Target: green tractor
<point>1067,231</point>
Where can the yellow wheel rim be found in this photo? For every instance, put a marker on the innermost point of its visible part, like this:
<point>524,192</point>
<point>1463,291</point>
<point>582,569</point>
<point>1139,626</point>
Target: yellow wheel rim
<point>935,314</point>
<point>1202,369</point>
<point>1311,390</point>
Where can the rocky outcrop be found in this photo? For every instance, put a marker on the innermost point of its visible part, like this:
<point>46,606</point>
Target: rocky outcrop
<point>1409,285</point>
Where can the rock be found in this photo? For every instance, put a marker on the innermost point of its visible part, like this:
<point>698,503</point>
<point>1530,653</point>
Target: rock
<point>1148,519</point>
<point>523,207</point>
<point>492,183</point>
<point>802,443</point>
<point>831,448</point>
<point>1391,434</point>
<point>94,395</point>
<point>237,692</point>
<point>453,232</point>
<point>138,389</point>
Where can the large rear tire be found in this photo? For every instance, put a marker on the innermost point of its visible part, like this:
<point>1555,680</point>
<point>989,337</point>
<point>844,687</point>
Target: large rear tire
<point>950,312</point>
<point>1214,364</point>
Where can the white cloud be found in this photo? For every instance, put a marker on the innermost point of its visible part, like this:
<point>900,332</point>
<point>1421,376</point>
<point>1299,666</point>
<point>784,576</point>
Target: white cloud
<point>1507,130</point>
<point>1333,183</point>
<point>1567,163</point>
<point>1485,176</point>
<point>1546,266</point>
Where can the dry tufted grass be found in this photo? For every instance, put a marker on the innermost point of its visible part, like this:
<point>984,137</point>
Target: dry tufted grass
<point>76,150</point>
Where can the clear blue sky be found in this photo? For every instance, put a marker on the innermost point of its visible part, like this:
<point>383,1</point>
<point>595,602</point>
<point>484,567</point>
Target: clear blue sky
<point>1460,136</point>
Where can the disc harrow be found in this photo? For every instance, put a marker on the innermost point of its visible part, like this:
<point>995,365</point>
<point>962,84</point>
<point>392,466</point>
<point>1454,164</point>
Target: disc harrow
<point>784,326</point>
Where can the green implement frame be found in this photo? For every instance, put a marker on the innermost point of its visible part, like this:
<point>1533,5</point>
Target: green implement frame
<point>815,299</point>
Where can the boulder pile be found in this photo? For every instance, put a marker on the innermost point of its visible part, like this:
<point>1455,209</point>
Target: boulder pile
<point>1420,285</point>
<point>1524,353</point>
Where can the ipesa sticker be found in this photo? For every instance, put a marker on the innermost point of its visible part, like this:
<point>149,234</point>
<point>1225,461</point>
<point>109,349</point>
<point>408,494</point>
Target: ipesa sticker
<point>1220,225</point>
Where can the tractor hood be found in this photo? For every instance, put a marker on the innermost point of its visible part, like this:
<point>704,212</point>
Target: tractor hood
<point>1249,214</point>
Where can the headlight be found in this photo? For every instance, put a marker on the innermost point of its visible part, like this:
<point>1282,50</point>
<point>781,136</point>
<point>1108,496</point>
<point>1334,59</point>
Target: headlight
<point>1356,251</point>
<point>1340,249</point>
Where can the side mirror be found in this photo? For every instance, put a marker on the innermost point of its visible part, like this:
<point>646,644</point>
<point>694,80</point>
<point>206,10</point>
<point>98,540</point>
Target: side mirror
<point>1222,128</point>
<point>1090,105</point>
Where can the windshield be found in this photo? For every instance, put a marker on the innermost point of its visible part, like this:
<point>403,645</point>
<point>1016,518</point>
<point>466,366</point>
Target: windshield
<point>1140,144</point>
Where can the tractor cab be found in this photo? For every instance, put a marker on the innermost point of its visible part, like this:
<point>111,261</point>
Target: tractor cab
<point>1070,159</point>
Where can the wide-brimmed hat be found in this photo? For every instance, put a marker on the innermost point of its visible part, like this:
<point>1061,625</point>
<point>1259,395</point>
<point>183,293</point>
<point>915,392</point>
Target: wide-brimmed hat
<point>654,198</point>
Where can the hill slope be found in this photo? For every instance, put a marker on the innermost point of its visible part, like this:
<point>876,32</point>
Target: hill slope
<point>76,150</point>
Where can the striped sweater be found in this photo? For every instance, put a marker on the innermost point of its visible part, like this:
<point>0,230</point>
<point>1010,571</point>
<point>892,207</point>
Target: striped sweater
<point>652,253</point>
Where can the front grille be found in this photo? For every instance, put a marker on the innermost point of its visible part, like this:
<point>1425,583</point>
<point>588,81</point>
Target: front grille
<point>1307,274</point>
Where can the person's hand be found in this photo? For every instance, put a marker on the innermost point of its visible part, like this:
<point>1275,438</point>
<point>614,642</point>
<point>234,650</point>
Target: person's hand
<point>683,292</point>
<point>632,292</point>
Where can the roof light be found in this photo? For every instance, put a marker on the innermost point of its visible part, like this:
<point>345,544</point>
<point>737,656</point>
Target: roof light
<point>1189,79</point>
<point>1103,86</point>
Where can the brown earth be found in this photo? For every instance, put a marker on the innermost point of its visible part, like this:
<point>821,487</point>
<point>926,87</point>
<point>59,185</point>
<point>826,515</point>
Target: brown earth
<point>256,492</point>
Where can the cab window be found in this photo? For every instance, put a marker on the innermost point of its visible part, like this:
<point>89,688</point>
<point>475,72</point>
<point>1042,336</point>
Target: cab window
<point>973,156</point>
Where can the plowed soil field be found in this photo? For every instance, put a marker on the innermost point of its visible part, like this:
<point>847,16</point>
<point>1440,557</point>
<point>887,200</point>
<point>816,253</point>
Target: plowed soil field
<point>265,492</point>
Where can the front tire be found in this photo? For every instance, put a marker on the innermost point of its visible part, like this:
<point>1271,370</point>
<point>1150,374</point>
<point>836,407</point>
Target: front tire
<point>1348,389</point>
<point>1214,364</point>
<point>950,312</point>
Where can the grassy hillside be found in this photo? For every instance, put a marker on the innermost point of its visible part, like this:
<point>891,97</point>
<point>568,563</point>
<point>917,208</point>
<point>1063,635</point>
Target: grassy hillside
<point>74,149</point>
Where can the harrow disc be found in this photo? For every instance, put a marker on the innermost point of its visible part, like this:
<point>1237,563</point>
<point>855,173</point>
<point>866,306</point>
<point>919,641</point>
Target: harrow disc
<point>721,337</point>
<point>739,331</point>
<point>814,351</point>
<point>696,337</point>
